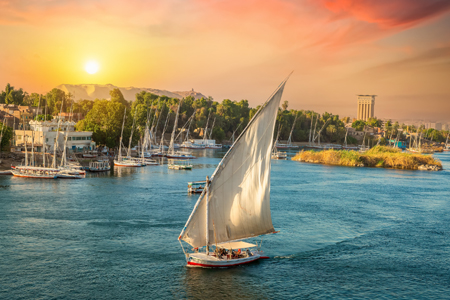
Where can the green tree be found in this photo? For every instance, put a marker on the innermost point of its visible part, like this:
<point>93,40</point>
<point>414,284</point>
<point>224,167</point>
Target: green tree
<point>285,105</point>
<point>12,96</point>
<point>359,125</point>
<point>54,99</point>
<point>105,121</point>
<point>117,96</point>
<point>6,133</point>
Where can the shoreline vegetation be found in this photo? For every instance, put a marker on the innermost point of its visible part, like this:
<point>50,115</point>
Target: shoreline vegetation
<point>378,156</point>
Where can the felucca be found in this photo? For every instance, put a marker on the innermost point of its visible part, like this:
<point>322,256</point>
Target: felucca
<point>235,203</point>
<point>120,162</point>
<point>178,154</point>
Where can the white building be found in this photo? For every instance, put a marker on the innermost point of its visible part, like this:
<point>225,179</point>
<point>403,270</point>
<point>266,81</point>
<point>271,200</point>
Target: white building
<point>76,140</point>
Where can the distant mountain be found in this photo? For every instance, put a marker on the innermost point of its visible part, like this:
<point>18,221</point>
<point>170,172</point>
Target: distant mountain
<point>101,91</point>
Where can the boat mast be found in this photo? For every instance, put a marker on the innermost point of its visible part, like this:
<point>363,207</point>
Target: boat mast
<point>159,116</point>
<point>310,128</point>
<point>25,139</point>
<point>161,144</point>
<point>206,128</point>
<point>292,130</point>
<point>274,147</point>
<point>131,135</point>
<point>63,157</point>
<point>345,140</point>
<point>314,133</point>
<point>207,215</point>
<point>214,122</point>
<point>55,145</point>
<point>119,156</point>
<point>44,143</point>
<point>175,125</point>
<point>236,130</point>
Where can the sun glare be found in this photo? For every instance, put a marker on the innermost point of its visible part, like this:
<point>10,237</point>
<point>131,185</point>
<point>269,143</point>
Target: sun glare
<point>91,67</point>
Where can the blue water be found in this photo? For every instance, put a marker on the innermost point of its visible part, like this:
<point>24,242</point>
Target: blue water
<point>344,233</point>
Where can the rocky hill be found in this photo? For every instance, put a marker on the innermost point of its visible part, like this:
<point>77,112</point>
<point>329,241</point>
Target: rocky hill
<point>101,91</point>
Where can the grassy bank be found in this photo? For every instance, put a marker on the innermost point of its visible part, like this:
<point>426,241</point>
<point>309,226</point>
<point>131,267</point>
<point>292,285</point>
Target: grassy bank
<point>378,156</point>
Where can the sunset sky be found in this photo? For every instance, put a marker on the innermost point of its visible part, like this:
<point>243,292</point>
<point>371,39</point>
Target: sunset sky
<point>396,49</point>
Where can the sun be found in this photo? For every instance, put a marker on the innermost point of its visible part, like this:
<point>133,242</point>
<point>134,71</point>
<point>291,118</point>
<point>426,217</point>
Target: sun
<point>92,67</point>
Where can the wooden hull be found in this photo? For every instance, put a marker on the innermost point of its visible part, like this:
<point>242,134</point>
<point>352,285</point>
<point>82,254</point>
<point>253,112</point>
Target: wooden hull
<point>35,176</point>
<point>127,164</point>
<point>6,172</point>
<point>207,261</point>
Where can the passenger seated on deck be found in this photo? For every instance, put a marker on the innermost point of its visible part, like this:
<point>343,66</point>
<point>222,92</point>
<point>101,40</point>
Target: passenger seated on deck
<point>248,252</point>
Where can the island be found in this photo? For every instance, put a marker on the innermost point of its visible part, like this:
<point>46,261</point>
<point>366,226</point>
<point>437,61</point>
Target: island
<point>378,156</point>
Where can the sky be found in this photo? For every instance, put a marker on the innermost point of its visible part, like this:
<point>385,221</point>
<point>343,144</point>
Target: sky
<point>240,49</point>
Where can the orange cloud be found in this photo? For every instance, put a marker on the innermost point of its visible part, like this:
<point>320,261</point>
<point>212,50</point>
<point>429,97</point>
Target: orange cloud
<point>389,13</point>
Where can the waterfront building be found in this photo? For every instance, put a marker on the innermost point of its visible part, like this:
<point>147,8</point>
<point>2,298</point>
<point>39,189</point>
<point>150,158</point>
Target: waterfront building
<point>444,126</point>
<point>76,141</point>
<point>366,107</point>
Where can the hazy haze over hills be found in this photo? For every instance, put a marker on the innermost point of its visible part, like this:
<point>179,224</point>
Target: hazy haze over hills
<point>101,91</point>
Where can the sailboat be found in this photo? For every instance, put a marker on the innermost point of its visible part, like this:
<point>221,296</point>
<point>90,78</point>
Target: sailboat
<point>275,153</point>
<point>120,161</point>
<point>213,145</point>
<point>289,144</point>
<point>179,154</point>
<point>235,204</point>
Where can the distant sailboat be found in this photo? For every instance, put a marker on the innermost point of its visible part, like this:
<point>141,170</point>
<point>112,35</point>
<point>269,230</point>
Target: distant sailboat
<point>289,144</point>
<point>177,154</point>
<point>128,162</point>
<point>235,204</point>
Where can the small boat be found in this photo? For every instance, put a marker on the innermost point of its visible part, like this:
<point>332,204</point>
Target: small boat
<point>196,187</point>
<point>99,166</point>
<point>34,172</point>
<point>180,155</point>
<point>279,155</point>
<point>235,204</point>
<point>180,164</point>
<point>190,145</point>
<point>214,146</point>
<point>6,172</point>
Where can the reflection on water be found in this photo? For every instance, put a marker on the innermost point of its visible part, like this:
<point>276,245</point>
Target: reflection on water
<point>231,283</point>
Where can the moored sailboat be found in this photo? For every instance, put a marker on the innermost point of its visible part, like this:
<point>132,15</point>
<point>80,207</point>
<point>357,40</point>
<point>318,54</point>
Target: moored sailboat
<point>235,204</point>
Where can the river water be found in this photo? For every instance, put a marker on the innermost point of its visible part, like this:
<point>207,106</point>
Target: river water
<point>344,233</point>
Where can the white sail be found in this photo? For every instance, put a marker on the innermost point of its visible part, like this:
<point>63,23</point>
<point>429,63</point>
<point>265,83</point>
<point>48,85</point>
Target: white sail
<point>239,192</point>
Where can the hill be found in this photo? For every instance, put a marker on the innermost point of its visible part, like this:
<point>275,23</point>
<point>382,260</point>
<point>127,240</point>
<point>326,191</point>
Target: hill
<point>101,91</point>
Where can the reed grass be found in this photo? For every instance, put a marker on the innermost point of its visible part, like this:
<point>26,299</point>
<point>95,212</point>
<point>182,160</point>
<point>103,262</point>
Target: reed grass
<point>378,156</point>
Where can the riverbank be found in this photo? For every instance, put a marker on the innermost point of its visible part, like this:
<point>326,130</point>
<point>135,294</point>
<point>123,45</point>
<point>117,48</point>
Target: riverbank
<point>379,156</point>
